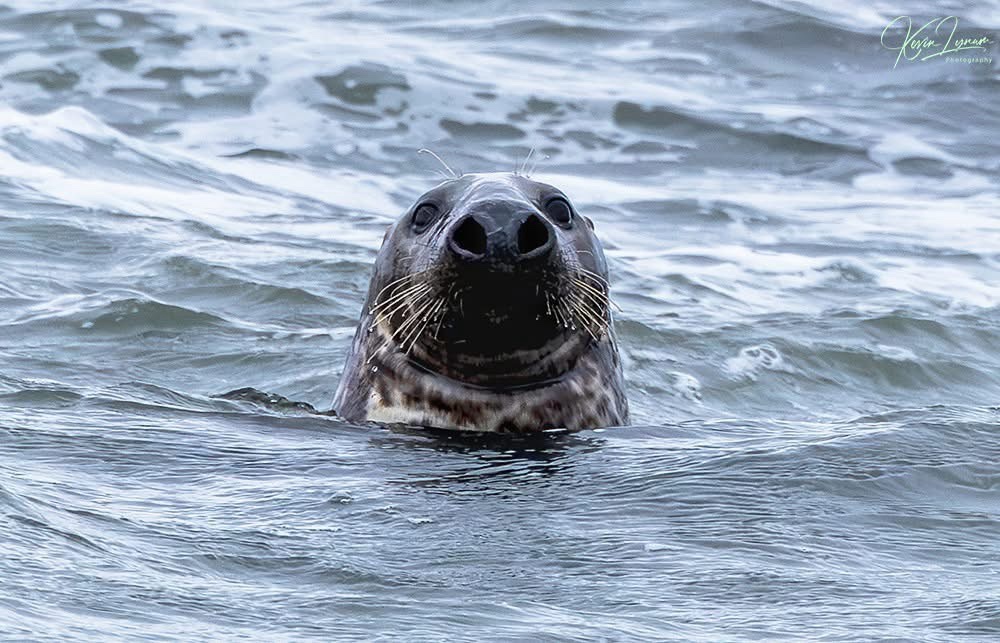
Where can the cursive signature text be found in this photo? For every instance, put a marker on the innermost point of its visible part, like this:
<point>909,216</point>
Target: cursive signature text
<point>935,38</point>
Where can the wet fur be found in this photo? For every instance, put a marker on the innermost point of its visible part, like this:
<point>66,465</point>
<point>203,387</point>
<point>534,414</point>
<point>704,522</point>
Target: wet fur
<point>394,373</point>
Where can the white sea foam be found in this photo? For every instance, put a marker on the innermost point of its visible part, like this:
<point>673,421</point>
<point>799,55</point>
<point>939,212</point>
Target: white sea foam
<point>754,359</point>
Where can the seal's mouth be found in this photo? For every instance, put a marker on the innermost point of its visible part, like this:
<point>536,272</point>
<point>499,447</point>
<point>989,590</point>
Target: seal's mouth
<point>493,326</point>
<point>502,310</point>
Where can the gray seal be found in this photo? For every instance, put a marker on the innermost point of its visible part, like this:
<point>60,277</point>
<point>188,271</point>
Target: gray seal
<point>488,310</point>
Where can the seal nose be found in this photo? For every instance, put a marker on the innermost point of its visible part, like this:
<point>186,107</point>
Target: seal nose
<point>533,237</point>
<point>468,239</point>
<point>509,241</point>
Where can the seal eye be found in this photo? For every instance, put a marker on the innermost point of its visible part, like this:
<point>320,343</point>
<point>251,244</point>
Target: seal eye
<point>559,210</point>
<point>423,216</point>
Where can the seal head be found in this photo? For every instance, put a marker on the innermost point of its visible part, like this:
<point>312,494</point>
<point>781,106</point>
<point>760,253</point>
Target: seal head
<point>488,310</point>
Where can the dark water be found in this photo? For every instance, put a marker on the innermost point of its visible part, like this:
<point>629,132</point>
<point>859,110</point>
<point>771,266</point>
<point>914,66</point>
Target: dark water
<point>804,241</point>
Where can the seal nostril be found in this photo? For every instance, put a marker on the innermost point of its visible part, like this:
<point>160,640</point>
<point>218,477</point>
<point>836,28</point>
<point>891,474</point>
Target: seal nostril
<point>470,236</point>
<point>532,235</point>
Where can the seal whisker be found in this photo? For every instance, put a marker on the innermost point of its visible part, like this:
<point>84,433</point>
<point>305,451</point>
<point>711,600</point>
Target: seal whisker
<point>424,150</point>
<point>437,329</point>
<point>593,275</point>
<point>534,166</point>
<point>400,280</point>
<point>603,293</point>
<point>597,305</point>
<point>524,163</point>
<point>558,310</point>
<point>406,323</point>
<point>601,286</point>
<point>598,297</point>
<point>594,332</point>
<point>404,278</point>
<point>407,290</point>
<point>590,331</point>
<point>402,307</point>
<point>412,323</point>
<point>587,287</point>
<point>588,316</point>
<point>588,319</point>
<point>569,319</point>
<point>581,314</point>
<point>403,294</point>
<point>560,317</point>
<point>427,318</point>
<point>553,311</point>
<point>442,313</point>
<point>387,315</point>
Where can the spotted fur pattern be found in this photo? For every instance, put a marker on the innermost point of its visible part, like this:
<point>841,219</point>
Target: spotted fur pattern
<point>386,387</point>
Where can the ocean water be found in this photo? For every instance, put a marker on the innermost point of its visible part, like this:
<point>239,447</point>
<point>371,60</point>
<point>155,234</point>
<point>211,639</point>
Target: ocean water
<point>804,242</point>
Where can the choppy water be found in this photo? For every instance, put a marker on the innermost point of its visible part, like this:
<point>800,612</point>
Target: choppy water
<point>805,243</point>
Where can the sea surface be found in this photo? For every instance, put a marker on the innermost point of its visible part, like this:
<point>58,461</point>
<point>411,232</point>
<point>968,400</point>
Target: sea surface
<point>804,242</point>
